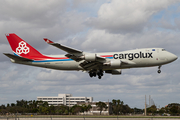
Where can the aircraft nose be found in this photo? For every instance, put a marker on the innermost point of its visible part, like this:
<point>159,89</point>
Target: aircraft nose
<point>173,57</point>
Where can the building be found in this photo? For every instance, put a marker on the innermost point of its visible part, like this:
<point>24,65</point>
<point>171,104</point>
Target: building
<point>65,99</point>
<point>94,110</point>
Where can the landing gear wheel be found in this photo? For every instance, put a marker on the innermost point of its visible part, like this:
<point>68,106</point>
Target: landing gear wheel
<point>101,72</point>
<point>91,74</point>
<point>159,71</point>
<point>94,74</point>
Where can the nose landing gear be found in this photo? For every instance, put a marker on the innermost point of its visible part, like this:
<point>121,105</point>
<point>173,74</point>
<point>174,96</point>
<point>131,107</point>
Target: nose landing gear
<point>159,71</point>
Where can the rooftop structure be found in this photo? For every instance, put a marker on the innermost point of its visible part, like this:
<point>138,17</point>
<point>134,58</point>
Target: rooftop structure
<point>65,99</point>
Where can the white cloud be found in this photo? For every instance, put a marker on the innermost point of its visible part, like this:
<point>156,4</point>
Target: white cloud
<point>127,16</point>
<point>121,42</point>
<point>66,23</point>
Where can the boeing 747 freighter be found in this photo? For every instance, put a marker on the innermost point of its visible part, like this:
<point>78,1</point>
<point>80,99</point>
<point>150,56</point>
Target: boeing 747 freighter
<point>96,64</point>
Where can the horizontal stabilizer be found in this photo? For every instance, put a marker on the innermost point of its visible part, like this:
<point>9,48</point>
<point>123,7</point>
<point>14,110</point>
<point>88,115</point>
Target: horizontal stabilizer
<point>14,57</point>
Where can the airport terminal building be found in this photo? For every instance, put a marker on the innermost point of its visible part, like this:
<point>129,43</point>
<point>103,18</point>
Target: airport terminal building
<point>65,99</point>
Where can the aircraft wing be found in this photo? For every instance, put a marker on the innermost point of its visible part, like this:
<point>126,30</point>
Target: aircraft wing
<point>78,55</point>
<point>14,57</point>
<point>63,47</point>
<point>88,65</point>
<point>73,54</point>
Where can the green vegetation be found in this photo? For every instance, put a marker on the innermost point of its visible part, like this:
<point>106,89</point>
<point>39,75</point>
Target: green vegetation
<point>101,106</point>
<point>42,108</point>
<point>118,107</point>
<point>172,109</point>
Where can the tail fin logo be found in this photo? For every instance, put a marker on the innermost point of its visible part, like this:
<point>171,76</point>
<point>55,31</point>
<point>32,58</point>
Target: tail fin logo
<point>22,48</point>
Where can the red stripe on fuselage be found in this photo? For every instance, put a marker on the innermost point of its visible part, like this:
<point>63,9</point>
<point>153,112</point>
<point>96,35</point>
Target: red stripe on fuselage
<point>46,58</point>
<point>106,55</point>
<point>43,57</point>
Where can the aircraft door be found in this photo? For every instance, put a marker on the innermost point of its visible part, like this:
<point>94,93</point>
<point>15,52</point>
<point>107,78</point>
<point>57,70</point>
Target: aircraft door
<point>157,50</point>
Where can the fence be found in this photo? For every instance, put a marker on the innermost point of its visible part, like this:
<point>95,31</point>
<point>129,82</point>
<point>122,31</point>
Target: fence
<point>78,117</point>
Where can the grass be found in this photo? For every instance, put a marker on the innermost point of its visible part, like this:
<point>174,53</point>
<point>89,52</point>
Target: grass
<point>88,116</point>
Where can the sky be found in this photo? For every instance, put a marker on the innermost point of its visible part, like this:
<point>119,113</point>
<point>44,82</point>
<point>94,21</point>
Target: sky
<point>91,26</point>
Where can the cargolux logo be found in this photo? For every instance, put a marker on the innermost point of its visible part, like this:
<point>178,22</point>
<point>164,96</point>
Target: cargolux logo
<point>22,48</point>
<point>131,56</point>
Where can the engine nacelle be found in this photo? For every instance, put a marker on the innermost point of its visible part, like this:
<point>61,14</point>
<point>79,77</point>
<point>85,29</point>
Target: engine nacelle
<point>115,63</point>
<point>90,57</point>
<point>114,72</point>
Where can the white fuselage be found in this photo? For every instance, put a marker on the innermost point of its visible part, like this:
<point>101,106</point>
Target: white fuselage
<point>135,58</point>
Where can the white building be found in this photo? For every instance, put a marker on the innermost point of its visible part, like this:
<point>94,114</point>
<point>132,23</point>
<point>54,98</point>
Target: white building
<point>65,99</point>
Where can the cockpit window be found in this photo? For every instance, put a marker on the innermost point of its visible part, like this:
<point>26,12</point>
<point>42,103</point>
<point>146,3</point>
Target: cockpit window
<point>163,50</point>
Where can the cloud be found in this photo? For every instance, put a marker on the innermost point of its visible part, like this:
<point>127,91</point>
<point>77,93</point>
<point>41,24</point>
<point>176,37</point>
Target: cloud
<point>120,42</point>
<point>91,26</point>
<point>33,20</point>
<point>126,16</point>
<point>32,11</point>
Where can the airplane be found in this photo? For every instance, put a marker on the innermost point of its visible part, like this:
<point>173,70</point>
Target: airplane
<point>93,63</point>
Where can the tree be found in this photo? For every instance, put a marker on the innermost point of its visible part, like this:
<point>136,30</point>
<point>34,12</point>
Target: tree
<point>43,110</point>
<point>152,109</point>
<point>137,111</point>
<point>162,110</point>
<point>76,109</point>
<point>52,109</point>
<point>117,106</point>
<point>62,109</point>
<point>12,105</point>
<point>8,105</point>
<point>101,106</point>
<point>86,108</point>
<point>2,107</point>
<point>174,110</point>
<point>126,109</point>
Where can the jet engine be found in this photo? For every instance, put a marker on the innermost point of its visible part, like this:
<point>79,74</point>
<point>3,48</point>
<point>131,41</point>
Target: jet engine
<point>114,72</point>
<point>113,63</point>
<point>90,57</point>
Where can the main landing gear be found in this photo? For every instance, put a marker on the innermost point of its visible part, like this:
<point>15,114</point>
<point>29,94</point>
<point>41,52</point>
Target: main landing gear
<point>159,71</point>
<point>95,73</point>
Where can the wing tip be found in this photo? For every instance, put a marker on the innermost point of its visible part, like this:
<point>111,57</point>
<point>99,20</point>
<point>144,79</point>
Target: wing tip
<point>48,41</point>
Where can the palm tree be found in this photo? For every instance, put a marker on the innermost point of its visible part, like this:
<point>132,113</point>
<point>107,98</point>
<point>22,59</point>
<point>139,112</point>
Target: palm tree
<point>101,105</point>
